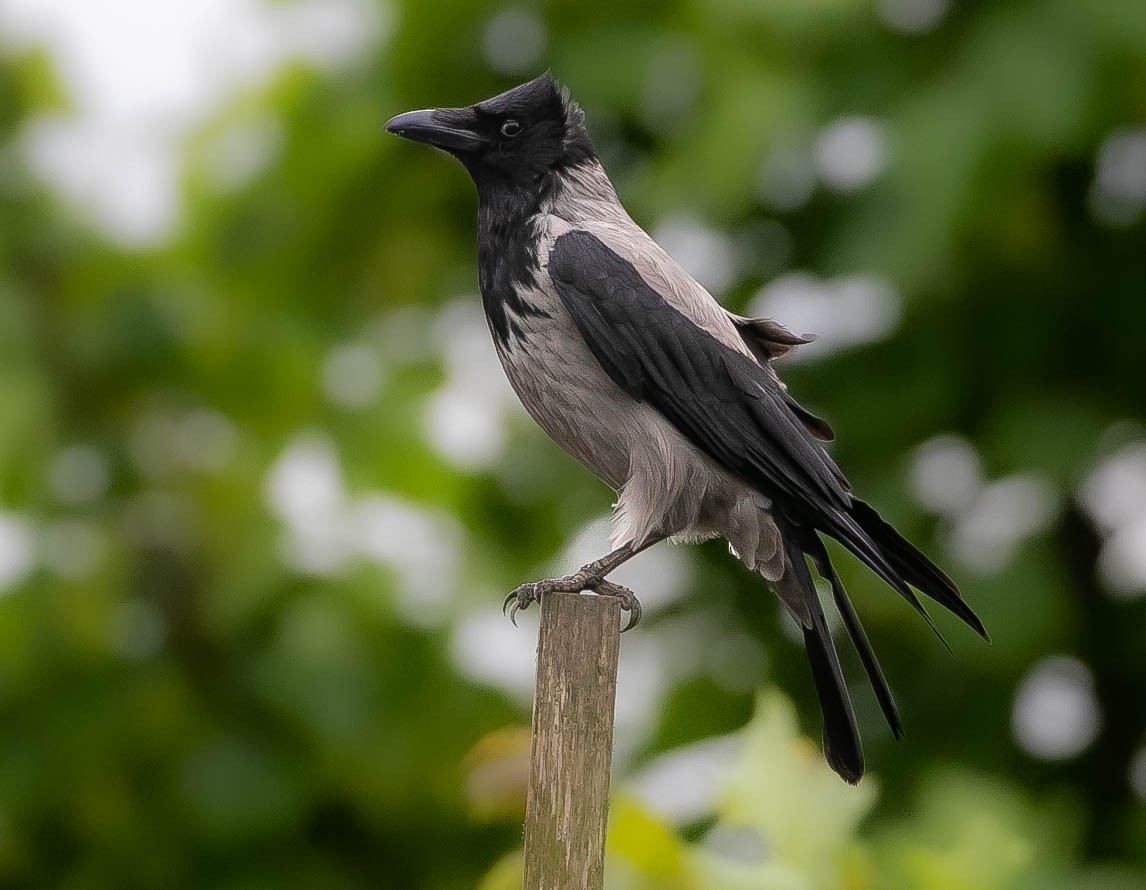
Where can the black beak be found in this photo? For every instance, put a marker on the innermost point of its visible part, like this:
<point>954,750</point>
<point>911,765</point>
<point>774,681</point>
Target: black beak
<point>451,129</point>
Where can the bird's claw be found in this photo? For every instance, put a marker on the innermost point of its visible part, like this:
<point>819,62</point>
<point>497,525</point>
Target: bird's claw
<point>628,600</point>
<point>525,595</point>
<point>522,597</point>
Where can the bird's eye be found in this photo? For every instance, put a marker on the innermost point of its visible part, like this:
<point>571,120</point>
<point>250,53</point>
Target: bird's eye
<point>510,129</point>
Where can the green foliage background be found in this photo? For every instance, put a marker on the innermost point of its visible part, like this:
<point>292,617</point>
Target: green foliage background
<point>285,728</point>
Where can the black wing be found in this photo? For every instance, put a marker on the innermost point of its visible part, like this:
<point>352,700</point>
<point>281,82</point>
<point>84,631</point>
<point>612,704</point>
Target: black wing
<point>719,398</point>
<point>729,407</point>
<point>737,413</point>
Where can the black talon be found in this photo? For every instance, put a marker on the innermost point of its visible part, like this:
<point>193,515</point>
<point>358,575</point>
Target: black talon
<point>634,616</point>
<point>628,599</point>
<point>521,597</point>
<point>524,594</point>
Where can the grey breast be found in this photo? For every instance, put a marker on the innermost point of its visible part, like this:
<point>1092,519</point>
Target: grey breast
<point>564,389</point>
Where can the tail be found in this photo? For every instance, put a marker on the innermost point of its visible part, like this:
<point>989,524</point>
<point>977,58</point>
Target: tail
<point>895,560</point>
<point>816,550</point>
<point>842,747</point>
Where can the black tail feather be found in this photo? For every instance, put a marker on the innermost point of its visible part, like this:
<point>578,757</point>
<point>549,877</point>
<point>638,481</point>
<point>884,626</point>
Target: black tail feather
<point>861,529</point>
<point>842,747</point>
<point>913,567</point>
<point>816,550</point>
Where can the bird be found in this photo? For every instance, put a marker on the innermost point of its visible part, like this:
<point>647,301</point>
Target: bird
<point>671,400</point>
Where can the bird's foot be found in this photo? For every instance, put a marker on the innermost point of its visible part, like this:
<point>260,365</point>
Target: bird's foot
<point>523,596</point>
<point>628,599</point>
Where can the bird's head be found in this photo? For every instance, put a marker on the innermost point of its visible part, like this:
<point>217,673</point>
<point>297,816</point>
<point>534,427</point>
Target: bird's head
<point>515,139</point>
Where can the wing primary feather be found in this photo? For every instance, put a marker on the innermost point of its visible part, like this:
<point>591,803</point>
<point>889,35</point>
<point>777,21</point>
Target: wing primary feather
<point>852,536</point>
<point>915,568</point>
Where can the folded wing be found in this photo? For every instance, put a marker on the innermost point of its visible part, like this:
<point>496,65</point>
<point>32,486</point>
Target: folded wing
<point>736,411</point>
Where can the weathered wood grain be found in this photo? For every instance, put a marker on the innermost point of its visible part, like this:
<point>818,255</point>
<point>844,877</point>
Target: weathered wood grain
<point>567,803</point>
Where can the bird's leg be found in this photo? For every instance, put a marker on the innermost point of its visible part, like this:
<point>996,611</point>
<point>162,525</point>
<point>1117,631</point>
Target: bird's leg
<point>590,576</point>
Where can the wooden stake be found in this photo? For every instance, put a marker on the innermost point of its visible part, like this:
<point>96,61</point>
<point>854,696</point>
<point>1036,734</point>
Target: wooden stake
<point>567,804</point>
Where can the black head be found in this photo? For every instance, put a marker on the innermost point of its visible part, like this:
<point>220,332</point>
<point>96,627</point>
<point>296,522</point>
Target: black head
<point>516,139</point>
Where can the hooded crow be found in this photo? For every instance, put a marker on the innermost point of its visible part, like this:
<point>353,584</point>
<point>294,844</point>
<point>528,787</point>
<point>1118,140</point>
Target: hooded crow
<point>635,370</point>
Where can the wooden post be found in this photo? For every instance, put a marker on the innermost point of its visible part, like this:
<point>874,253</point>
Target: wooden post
<point>567,804</point>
